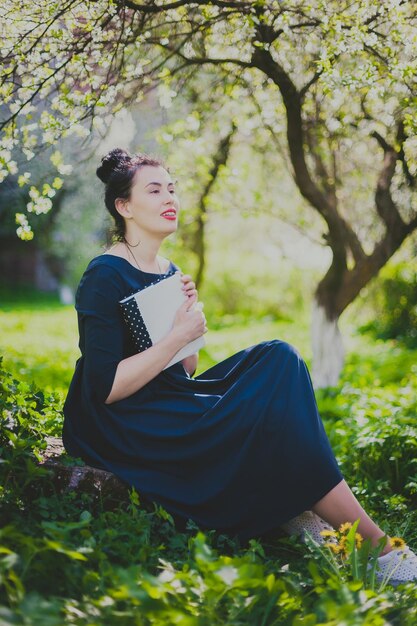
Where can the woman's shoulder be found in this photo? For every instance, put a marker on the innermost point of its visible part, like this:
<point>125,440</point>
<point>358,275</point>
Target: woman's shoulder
<point>104,260</point>
<point>101,282</point>
<point>103,265</point>
<point>103,271</point>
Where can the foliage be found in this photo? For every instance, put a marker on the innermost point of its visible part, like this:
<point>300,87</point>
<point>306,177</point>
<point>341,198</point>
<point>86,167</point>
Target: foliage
<point>394,303</point>
<point>70,558</point>
<point>26,418</point>
<point>370,418</point>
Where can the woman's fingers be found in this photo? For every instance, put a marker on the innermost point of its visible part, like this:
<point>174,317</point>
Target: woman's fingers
<point>191,300</point>
<point>188,304</point>
<point>192,293</point>
<point>189,284</point>
<point>191,304</point>
<point>189,287</point>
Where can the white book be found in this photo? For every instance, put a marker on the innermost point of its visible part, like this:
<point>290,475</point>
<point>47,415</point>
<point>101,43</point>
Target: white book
<point>150,315</point>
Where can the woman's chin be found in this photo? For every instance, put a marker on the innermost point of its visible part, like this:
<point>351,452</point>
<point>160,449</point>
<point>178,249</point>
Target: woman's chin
<point>170,228</point>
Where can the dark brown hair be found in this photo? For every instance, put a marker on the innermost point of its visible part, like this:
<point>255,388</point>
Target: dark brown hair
<point>117,171</point>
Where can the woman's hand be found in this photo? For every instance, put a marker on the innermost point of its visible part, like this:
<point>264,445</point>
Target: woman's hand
<point>190,321</point>
<point>189,287</point>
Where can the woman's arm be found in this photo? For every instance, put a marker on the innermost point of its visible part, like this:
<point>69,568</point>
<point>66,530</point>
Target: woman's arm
<point>137,370</point>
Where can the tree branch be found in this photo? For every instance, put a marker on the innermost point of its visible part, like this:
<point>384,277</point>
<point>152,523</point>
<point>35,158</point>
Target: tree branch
<point>219,159</point>
<point>310,83</point>
<point>396,229</point>
<point>263,60</point>
<point>166,6</point>
<point>271,130</point>
<point>401,138</point>
<point>385,205</point>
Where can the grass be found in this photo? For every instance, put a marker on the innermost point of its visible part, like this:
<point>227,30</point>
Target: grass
<point>40,344</point>
<point>70,558</point>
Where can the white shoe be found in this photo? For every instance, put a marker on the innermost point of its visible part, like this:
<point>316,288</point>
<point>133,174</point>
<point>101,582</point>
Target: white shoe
<point>397,567</point>
<point>311,523</point>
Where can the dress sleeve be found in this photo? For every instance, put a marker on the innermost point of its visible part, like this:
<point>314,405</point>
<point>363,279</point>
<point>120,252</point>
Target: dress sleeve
<point>101,327</point>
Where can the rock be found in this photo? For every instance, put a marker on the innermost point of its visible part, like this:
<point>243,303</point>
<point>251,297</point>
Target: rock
<point>68,474</point>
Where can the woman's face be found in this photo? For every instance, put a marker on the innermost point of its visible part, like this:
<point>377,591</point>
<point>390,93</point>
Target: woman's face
<point>153,204</point>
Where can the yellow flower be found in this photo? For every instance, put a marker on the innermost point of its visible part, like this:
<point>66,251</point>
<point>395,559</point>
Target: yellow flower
<point>358,540</point>
<point>397,543</point>
<point>334,547</point>
<point>342,546</point>
<point>345,527</point>
<point>328,533</point>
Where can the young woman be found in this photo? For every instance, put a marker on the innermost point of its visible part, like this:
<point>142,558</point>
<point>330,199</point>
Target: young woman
<point>240,448</point>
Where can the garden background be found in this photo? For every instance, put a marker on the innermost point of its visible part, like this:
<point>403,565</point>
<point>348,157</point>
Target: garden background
<point>290,128</point>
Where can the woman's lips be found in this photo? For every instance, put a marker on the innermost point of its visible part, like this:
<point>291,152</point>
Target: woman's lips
<point>169,215</point>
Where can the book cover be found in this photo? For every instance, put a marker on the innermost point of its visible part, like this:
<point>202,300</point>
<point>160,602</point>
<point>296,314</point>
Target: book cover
<point>150,314</point>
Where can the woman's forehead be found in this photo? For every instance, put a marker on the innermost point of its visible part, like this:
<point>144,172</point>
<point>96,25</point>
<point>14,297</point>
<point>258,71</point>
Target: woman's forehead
<point>149,173</point>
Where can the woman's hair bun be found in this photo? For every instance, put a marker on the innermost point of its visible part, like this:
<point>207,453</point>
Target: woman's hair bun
<point>113,160</point>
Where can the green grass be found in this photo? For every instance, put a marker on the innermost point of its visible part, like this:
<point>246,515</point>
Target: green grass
<point>40,344</point>
<point>74,559</point>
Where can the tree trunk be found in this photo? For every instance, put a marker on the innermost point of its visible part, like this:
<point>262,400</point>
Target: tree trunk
<point>219,160</point>
<point>200,243</point>
<point>328,349</point>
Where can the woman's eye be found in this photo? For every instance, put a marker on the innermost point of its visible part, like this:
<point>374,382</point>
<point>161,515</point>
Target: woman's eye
<point>158,190</point>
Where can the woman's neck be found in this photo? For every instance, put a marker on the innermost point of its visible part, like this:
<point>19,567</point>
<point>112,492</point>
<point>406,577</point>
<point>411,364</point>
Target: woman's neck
<point>145,248</point>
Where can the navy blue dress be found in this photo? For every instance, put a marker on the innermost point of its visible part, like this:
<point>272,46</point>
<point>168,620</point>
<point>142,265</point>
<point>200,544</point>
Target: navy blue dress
<point>240,448</point>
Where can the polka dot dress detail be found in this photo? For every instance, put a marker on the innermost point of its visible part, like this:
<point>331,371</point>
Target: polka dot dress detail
<point>136,325</point>
<point>134,320</point>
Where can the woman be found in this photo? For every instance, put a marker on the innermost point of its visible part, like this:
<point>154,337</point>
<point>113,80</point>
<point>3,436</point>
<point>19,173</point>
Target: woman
<point>239,448</point>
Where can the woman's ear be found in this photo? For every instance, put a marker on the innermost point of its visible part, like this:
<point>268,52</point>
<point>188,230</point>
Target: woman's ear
<point>122,207</point>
